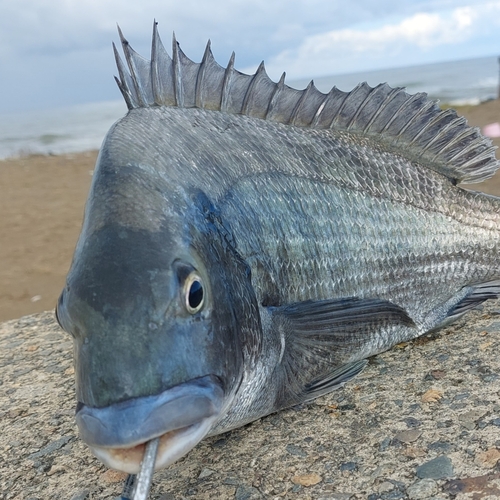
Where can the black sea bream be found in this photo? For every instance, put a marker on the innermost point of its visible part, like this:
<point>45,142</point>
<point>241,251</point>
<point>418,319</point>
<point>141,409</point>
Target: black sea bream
<point>246,246</point>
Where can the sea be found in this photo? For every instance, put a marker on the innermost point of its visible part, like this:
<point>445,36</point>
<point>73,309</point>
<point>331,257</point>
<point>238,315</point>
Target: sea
<point>83,127</point>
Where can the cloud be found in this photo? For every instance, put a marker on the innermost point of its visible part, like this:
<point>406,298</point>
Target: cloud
<point>351,49</point>
<point>54,53</point>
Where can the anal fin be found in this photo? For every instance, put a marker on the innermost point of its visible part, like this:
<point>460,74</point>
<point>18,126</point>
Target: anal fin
<point>478,294</point>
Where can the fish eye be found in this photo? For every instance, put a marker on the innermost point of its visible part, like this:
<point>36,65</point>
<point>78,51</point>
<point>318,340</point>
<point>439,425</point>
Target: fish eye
<point>193,292</point>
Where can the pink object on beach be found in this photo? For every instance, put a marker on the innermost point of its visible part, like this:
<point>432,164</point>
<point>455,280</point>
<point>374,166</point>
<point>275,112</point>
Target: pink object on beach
<point>492,130</point>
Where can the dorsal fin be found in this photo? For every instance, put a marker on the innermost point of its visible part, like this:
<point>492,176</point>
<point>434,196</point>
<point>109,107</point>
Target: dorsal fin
<point>410,125</point>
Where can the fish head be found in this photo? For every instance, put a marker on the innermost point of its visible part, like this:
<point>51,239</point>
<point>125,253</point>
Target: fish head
<point>157,304</point>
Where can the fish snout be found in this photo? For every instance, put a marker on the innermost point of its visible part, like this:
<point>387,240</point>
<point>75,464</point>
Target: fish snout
<point>180,416</point>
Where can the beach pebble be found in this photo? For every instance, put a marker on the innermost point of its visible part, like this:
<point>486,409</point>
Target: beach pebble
<point>437,468</point>
<point>81,495</point>
<point>424,488</point>
<point>205,473</point>
<point>440,446</point>
<point>336,496</point>
<point>295,450</point>
<point>244,492</point>
<point>469,418</point>
<point>488,458</point>
<point>307,479</point>
<point>432,396</point>
<point>348,466</point>
<point>412,422</point>
<point>408,436</point>
<point>385,487</point>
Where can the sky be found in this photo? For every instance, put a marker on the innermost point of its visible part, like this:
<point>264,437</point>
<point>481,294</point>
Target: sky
<point>55,53</point>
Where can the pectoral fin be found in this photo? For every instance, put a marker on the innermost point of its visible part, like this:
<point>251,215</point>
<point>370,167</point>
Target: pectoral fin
<point>334,380</point>
<point>324,343</point>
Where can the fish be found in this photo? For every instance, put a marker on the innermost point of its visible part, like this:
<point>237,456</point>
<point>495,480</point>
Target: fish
<point>247,246</point>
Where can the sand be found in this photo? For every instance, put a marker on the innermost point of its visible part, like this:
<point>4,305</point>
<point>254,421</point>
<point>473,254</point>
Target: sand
<point>41,208</point>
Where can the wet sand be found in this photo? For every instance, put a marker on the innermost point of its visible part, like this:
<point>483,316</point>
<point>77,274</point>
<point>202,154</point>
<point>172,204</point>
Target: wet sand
<point>41,208</point>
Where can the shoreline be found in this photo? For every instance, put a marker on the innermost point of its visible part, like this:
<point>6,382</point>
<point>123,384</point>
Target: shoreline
<point>41,210</point>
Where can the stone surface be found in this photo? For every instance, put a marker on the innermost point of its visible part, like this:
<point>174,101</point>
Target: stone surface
<point>437,468</point>
<point>349,438</point>
<point>420,490</point>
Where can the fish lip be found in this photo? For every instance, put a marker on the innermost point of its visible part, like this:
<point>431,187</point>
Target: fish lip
<point>135,421</point>
<point>172,446</point>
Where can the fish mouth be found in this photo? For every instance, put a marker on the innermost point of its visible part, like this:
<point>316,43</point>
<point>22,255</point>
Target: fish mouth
<point>180,416</point>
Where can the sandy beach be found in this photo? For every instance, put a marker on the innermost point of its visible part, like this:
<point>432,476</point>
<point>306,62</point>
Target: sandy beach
<point>41,208</point>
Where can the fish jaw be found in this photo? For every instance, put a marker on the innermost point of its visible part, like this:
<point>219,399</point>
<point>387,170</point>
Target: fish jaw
<point>180,416</point>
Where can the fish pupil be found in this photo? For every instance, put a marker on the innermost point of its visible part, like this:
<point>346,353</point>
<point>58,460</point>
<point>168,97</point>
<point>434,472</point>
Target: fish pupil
<point>195,297</point>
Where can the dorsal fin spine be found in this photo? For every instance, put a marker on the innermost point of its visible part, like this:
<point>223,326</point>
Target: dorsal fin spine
<point>433,121</point>
<point>460,137</point>
<point>199,101</point>
<point>455,123</point>
<point>411,125</point>
<point>396,113</point>
<point>226,85</point>
<point>354,118</point>
<point>383,105</point>
<point>413,119</point>
<point>155,78</point>
<point>278,90</point>
<point>123,83</point>
<point>261,71</point>
<point>177,73</point>
<point>336,116</point>
<point>133,70</point>
<point>296,112</point>
<point>321,107</point>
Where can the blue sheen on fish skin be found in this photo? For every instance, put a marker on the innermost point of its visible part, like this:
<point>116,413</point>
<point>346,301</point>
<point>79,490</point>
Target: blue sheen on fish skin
<point>323,229</point>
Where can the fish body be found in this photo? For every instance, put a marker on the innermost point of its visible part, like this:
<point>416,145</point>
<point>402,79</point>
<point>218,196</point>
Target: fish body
<point>247,246</point>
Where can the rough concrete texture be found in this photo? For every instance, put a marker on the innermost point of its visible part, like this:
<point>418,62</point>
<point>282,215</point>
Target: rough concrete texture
<point>422,421</point>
